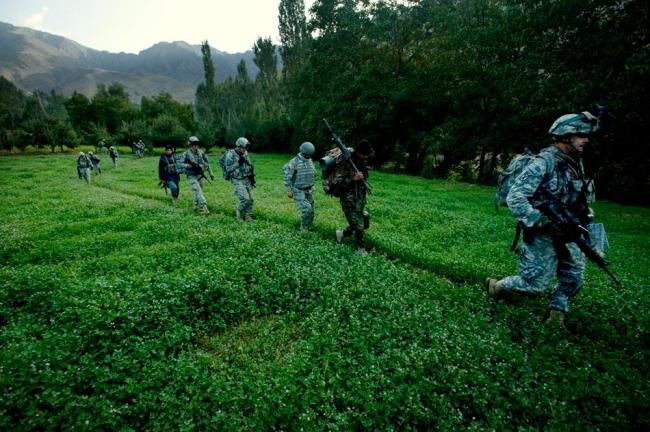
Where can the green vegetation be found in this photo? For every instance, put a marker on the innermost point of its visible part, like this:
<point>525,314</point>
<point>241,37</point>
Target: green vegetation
<point>120,311</point>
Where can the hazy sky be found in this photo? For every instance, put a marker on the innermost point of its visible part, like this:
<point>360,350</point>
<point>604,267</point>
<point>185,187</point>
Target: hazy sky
<point>134,25</point>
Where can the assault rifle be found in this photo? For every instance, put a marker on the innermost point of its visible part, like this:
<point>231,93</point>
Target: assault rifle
<point>345,152</point>
<point>198,168</point>
<point>568,228</point>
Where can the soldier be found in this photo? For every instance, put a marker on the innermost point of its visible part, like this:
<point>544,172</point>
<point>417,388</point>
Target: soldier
<point>197,164</point>
<point>95,161</point>
<point>112,152</point>
<point>140,148</point>
<point>101,146</point>
<point>239,169</point>
<point>353,196</point>
<point>555,174</point>
<point>83,167</point>
<point>168,172</point>
<point>299,175</point>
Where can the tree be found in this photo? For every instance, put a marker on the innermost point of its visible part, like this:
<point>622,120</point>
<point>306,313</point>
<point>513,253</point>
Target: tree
<point>293,31</point>
<point>265,59</point>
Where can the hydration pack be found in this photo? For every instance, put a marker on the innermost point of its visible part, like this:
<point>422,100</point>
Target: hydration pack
<point>508,176</point>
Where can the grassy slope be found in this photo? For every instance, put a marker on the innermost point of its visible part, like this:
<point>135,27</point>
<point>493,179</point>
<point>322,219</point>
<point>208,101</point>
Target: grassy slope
<point>117,309</point>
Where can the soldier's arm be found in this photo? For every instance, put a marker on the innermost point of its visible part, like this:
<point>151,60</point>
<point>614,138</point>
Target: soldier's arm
<point>519,197</point>
<point>289,171</point>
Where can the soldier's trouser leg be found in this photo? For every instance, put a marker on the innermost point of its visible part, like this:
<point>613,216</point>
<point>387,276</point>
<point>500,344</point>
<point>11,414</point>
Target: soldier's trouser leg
<point>85,173</point>
<point>570,272</point>
<point>353,210</point>
<point>174,188</point>
<point>244,194</point>
<point>537,264</point>
<point>304,199</point>
<point>197,188</point>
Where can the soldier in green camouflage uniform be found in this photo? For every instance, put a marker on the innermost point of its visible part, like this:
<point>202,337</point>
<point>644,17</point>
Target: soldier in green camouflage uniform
<point>240,171</point>
<point>197,166</point>
<point>353,196</point>
<point>556,172</point>
<point>299,175</point>
<point>84,166</point>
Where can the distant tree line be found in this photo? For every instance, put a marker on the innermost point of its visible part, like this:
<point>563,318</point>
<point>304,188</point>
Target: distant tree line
<point>440,88</point>
<point>53,121</point>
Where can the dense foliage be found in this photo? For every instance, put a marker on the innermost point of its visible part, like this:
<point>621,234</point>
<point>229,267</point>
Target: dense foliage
<point>121,311</point>
<point>445,87</point>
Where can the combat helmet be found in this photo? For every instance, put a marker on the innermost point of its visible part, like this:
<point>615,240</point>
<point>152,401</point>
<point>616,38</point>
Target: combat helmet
<point>192,140</point>
<point>242,142</point>
<point>307,148</point>
<point>583,123</point>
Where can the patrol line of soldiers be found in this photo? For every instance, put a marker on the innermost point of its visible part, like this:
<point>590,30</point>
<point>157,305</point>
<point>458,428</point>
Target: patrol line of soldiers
<point>557,172</point>
<point>299,177</point>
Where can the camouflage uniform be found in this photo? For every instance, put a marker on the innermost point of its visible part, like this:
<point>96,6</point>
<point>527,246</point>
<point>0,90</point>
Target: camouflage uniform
<point>240,170</point>
<point>95,161</point>
<point>353,198</point>
<point>194,177</point>
<point>83,167</point>
<point>114,155</point>
<point>562,177</point>
<point>299,175</point>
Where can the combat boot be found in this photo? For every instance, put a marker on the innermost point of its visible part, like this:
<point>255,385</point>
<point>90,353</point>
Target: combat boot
<point>362,252</point>
<point>492,287</point>
<point>204,209</point>
<point>556,316</point>
<point>304,230</point>
<point>239,215</point>
<point>248,218</point>
<point>339,236</point>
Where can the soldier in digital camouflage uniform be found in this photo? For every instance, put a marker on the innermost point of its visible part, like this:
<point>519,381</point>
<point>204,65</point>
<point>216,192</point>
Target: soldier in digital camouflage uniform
<point>95,161</point>
<point>83,167</point>
<point>168,172</point>
<point>299,174</point>
<point>557,172</point>
<point>112,152</point>
<point>197,167</point>
<point>239,168</point>
<point>353,196</point>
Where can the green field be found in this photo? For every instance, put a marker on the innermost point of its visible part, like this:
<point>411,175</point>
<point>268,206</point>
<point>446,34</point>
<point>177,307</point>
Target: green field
<point>120,311</point>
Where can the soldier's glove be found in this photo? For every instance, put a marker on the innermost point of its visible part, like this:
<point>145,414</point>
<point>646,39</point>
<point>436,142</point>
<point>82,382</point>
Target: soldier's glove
<point>164,182</point>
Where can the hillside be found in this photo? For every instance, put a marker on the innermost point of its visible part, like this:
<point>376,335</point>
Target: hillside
<point>37,60</point>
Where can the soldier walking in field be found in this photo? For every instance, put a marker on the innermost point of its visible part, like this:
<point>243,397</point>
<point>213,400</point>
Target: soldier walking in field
<point>168,172</point>
<point>197,164</point>
<point>299,174</point>
<point>95,161</point>
<point>238,168</point>
<point>353,187</point>
<point>112,152</point>
<point>83,167</point>
<point>554,177</point>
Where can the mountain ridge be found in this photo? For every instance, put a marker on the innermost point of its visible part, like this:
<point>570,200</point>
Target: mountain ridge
<point>36,60</point>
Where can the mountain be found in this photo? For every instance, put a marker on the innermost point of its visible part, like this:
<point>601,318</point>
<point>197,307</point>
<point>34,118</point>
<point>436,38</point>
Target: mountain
<point>35,60</point>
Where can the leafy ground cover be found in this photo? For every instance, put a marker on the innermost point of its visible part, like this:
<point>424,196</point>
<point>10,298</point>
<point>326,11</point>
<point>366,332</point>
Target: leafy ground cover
<point>120,311</point>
